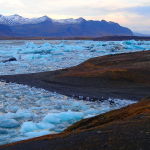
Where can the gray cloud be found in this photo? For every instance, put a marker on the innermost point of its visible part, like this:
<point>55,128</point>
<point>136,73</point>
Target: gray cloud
<point>140,10</point>
<point>126,12</point>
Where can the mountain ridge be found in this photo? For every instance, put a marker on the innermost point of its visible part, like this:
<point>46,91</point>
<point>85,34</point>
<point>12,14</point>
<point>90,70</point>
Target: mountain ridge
<point>47,27</point>
<point>16,19</point>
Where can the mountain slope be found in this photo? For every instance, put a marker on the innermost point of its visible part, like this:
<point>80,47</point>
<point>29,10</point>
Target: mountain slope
<point>47,27</point>
<point>19,20</point>
<point>5,30</point>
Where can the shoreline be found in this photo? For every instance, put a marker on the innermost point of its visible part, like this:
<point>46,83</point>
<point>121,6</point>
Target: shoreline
<point>81,80</point>
<point>123,76</point>
<point>125,127</point>
<point>104,38</point>
<point>129,91</point>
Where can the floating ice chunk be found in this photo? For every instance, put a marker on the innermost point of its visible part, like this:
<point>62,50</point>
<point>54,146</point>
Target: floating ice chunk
<point>4,139</point>
<point>9,123</point>
<point>79,105</point>
<point>24,114</point>
<point>20,114</point>
<point>68,116</point>
<point>52,118</point>
<point>92,112</point>
<point>46,45</point>
<point>34,127</point>
<point>43,125</point>
<point>130,42</point>
<point>12,108</point>
<point>28,127</point>
<point>30,45</point>
<point>37,133</point>
<point>3,132</point>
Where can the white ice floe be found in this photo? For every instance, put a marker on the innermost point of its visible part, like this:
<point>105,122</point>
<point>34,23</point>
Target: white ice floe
<point>9,123</point>
<point>30,112</point>
<point>38,56</point>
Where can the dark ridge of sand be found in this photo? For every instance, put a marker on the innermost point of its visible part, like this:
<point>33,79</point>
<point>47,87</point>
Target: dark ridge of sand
<point>124,129</point>
<point>104,38</point>
<point>122,38</point>
<point>124,76</point>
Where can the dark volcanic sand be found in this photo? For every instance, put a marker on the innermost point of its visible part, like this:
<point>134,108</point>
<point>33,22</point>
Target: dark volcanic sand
<point>124,76</point>
<point>104,38</point>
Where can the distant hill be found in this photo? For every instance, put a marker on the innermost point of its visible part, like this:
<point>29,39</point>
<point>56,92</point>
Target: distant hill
<point>5,30</point>
<point>19,26</point>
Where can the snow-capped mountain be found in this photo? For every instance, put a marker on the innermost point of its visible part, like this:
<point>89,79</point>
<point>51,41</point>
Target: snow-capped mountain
<point>44,26</point>
<point>69,21</point>
<point>19,20</point>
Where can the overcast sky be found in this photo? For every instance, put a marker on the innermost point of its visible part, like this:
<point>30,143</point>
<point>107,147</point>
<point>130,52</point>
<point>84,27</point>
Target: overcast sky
<point>134,14</point>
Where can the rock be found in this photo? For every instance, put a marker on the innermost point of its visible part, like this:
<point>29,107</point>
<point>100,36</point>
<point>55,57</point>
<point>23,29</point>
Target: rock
<point>9,60</point>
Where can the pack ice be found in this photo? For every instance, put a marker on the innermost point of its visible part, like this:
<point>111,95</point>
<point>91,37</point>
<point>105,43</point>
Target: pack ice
<point>27,112</point>
<point>39,56</point>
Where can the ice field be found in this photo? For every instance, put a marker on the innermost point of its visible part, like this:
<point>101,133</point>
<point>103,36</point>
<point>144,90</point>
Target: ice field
<point>39,56</point>
<point>30,112</point>
<point>27,112</point>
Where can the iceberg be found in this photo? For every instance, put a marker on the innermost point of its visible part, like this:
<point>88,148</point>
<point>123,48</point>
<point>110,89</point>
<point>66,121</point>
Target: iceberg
<point>58,118</point>
<point>28,127</point>
<point>38,56</point>
<point>9,123</point>
<point>37,134</point>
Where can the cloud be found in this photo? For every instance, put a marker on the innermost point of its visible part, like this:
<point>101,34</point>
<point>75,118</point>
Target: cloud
<point>126,12</point>
<point>140,10</point>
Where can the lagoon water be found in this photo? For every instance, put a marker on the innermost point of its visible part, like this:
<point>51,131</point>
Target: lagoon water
<point>27,112</point>
<point>39,56</point>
